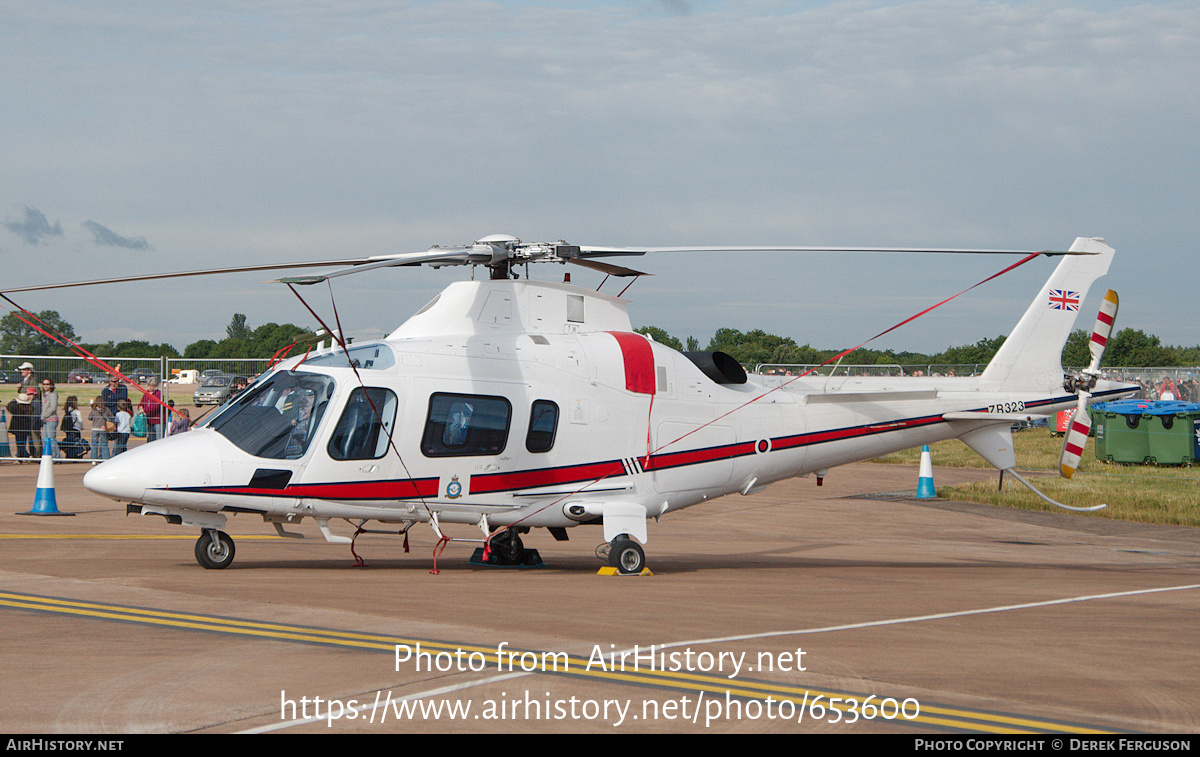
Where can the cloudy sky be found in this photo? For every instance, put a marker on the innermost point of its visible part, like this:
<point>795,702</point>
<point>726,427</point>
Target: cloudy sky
<point>149,136</point>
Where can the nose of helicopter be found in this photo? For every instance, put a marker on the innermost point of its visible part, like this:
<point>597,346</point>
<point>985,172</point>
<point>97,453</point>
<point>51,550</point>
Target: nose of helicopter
<point>189,459</point>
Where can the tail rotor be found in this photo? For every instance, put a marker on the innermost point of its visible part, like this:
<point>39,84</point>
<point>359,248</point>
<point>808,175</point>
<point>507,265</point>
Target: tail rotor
<point>1083,384</point>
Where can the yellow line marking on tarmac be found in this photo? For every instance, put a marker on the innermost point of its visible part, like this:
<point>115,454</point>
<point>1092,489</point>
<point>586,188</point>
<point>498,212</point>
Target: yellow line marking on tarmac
<point>127,536</point>
<point>574,665</point>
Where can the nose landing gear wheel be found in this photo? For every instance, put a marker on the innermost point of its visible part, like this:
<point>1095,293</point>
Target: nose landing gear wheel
<point>214,549</point>
<point>626,555</point>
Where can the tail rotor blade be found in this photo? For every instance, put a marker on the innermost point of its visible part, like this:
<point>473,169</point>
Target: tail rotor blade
<point>1103,330</point>
<point>1081,422</point>
<point>1075,439</point>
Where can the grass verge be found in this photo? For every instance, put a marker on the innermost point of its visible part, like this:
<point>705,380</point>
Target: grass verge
<point>1167,495</point>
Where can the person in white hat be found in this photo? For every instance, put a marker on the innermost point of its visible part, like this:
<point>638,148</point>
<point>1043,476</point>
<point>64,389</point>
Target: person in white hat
<point>21,419</point>
<point>29,380</point>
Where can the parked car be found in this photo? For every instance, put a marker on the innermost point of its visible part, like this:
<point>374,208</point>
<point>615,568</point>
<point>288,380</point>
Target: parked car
<point>79,376</point>
<point>141,375</point>
<point>10,377</point>
<point>215,390</point>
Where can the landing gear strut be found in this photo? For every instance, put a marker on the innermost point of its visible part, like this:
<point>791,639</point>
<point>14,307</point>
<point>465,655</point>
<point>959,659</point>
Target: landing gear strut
<point>214,549</point>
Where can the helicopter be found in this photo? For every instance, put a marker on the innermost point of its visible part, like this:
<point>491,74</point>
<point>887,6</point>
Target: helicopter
<point>511,404</point>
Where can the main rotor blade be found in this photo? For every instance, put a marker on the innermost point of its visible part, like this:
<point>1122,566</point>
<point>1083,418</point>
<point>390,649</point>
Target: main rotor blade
<point>603,251</point>
<point>205,272</point>
<point>446,255</point>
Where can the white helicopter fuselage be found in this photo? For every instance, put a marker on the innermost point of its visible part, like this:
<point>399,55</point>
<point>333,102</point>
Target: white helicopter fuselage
<point>529,404</point>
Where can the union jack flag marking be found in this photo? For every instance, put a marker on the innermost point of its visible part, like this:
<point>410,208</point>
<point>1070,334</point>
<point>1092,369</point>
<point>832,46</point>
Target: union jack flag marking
<point>1061,299</point>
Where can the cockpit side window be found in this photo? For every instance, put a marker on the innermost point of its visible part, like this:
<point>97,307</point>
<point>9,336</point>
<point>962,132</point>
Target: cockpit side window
<point>365,428</point>
<point>466,424</point>
<point>276,419</point>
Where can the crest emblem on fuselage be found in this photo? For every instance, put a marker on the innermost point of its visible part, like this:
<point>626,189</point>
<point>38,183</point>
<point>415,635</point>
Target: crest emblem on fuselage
<point>453,489</point>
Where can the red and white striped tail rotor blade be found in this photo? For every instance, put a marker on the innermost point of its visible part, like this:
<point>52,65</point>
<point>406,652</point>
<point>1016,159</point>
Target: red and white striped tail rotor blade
<point>1075,439</point>
<point>1104,326</point>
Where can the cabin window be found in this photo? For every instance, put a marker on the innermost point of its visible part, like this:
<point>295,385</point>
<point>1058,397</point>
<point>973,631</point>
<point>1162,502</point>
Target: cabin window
<point>466,424</point>
<point>278,416</point>
<point>543,422</point>
<point>365,428</point>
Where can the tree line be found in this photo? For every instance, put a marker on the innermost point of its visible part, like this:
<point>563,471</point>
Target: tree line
<point>1128,348</point>
<point>19,338</point>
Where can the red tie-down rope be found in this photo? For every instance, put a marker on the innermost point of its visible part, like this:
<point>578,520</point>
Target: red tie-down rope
<point>645,461</point>
<point>59,338</point>
<point>280,354</point>
<point>843,353</point>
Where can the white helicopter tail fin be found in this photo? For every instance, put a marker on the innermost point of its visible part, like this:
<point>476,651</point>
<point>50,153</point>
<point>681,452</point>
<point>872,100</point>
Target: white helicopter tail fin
<point>1031,356</point>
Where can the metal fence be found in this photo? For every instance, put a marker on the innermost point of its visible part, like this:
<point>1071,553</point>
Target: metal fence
<point>881,369</point>
<point>68,371</point>
<point>187,377</point>
<point>75,378</point>
<point>1183,381</point>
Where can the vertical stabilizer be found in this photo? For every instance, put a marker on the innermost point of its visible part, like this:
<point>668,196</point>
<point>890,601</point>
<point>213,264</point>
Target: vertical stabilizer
<point>1031,356</point>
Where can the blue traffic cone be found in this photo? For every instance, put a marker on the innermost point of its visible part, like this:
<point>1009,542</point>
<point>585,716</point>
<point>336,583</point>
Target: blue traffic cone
<point>925,488</point>
<point>44,501</point>
<point>4,452</point>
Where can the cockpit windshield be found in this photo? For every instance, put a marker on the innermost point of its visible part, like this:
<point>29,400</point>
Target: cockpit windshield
<point>277,418</point>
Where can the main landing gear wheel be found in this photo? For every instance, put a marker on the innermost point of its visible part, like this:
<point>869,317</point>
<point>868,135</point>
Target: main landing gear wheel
<point>214,549</point>
<point>626,555</point>
<point>508,547</point>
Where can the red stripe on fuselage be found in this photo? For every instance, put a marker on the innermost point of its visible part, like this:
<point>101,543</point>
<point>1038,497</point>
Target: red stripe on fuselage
<point>696,456</point>
<point>499,482</point>
<point>397,489</point>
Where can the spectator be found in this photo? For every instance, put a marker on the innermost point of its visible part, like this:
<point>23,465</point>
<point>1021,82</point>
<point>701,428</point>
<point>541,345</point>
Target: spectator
<point>124,425</point>
<point>100,418</point>
<point>1167,392</point>
<point>29,381</point>
<point>73,445</point>
<point>20,411</point>
<point>49,415</point>
<point>152,406</point>
<point>182,422</point>
<point>238,385</point>
<point>113,393</point>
